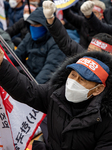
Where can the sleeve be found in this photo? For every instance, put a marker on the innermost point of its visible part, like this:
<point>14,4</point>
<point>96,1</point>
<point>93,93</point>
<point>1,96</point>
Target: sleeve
<point>73,18</point>
<point>68,46</point>
<point>21,88</point>
<point>15,28</point>
<point>98,25</point>
<point>54,57</point>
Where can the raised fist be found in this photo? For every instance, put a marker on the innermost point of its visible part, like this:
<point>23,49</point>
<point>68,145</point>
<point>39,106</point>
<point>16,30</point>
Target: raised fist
<point>87,7</point>
<point>48,9</point>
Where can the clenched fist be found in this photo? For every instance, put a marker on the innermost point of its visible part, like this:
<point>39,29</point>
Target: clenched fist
<point>1,56</point>
<point>48,9</point>
<point>87,7</point>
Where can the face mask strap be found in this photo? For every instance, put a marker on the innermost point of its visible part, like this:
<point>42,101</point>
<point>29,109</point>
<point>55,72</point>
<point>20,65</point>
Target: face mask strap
<point>92,89</point>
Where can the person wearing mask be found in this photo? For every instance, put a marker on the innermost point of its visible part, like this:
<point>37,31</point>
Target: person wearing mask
<point>85,31</point>
<point>77,101</point>
<point>93,21</point>
<point>14,11</point>
<point>61,37</point>
<point>83,28</point>
<point>44,56</point>
<point>20,27</point>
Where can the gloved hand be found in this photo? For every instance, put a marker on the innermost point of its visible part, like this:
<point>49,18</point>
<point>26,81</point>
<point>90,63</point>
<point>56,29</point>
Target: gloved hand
<point>87,7</point>
<point>48,9</point>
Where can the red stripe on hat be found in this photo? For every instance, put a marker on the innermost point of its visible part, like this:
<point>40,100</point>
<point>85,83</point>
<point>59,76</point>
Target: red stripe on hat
<point>94,67</point>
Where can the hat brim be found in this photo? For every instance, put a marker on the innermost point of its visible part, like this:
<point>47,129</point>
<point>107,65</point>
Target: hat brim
<point>32,22</point>
<point>84,72</point>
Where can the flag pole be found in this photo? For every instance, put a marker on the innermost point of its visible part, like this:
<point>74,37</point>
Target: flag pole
<point>29,6</point>
<point>17,60</point>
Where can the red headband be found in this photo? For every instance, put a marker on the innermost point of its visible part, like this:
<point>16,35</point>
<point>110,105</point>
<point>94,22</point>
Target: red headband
<point>102,45</point>
<point>100,10</point>
<point>94,67</point>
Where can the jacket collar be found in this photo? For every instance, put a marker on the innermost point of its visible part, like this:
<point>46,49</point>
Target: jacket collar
<point>82,120</point>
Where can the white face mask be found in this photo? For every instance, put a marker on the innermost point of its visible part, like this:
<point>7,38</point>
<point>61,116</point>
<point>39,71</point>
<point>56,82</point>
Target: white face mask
<point>75,92</point>
<point>13,3</point>
<point>25,16</point>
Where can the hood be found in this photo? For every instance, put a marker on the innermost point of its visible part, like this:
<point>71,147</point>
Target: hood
<point>60,76</point>
<point>37,16</point>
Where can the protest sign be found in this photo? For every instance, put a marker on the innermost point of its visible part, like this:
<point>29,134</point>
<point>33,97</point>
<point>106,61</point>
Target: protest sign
<point>18,121</point>
<point>64,4</point>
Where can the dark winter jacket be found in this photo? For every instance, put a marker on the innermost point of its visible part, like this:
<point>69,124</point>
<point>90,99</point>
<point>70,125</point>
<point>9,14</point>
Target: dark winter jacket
<point>44,56</point>
<point>83,28</point>
<point>63,40</point>
<point>83,126</point>
<point>19,27</point>
<point>98,25</point>
<point>14,14</point>
<point>80,23</point>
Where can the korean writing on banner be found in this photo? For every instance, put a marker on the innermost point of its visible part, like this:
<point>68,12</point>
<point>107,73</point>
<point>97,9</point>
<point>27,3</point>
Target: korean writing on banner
<point>18,121</point>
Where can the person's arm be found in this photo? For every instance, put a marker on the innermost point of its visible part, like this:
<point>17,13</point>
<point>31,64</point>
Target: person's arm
<point>59,33</point>
<point>15,28</point>
<point>73,18</point>
<point>21,88</point>
<point>98,25</point>
<point>92,20</point>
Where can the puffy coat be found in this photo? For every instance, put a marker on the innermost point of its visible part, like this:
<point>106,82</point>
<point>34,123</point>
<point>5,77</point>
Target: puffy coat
<point>14,14</point>
<point>98,25</point>
<point>88,129</point>
<point>44,56</point>
<point>80,23</point>
<point>61,37</point>
<point>19,27</point>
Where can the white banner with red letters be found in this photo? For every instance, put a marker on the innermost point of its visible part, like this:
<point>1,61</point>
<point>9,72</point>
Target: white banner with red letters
<point>18,122</point>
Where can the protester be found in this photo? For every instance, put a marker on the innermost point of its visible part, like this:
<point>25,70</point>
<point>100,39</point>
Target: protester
<point>14,11</point>
<point>93,21</point>
<point>85,31</point>
<point>77,101</point>
<point>38,51</point>
<point>65,43</point>
<point>20,27</point>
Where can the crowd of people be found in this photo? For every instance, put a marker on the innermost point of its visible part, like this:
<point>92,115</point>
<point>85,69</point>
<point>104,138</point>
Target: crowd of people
<point>69,53</point>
